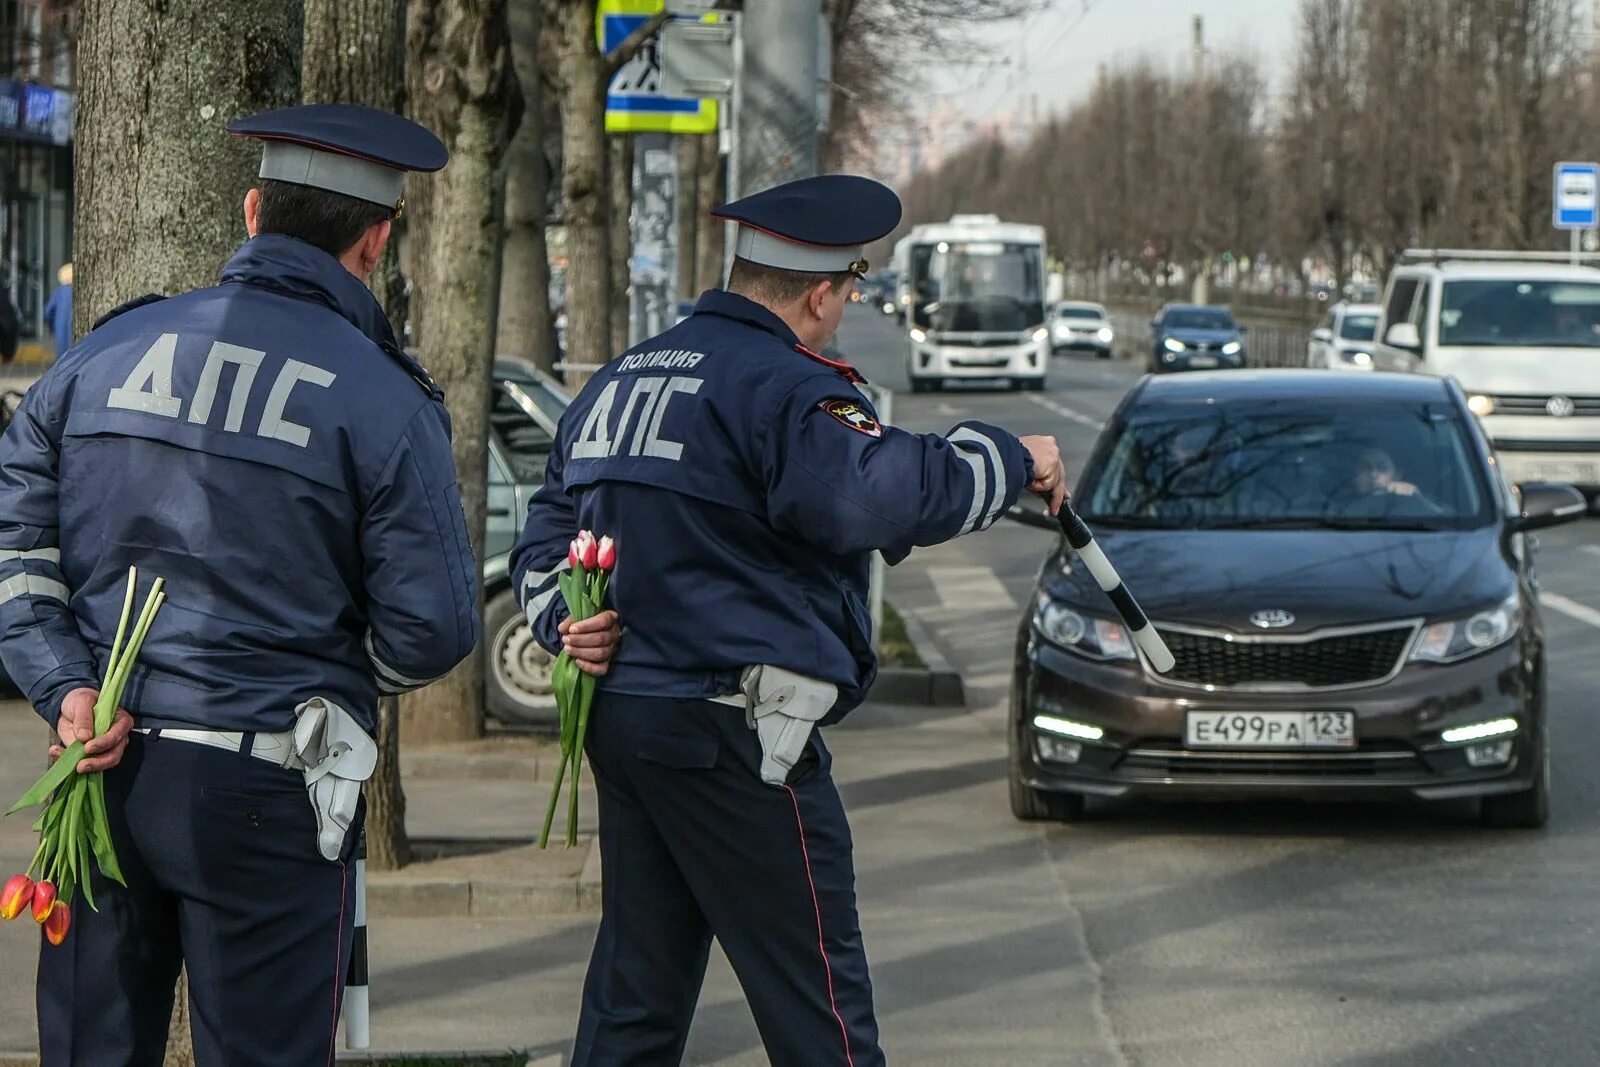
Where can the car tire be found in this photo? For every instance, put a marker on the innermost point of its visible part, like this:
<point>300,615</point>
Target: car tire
<point>1527,810</point>
<point>1033,385</point>
<point>516,672</point>
<point>1103,353</point>
<point>1037,805</point>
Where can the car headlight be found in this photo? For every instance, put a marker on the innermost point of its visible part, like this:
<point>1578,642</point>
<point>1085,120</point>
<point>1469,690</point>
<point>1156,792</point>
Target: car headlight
<point>1480,405</point>
<point>1357,359</point>
<point>1172,344</point>
<point>1231,348</point>
<point>1453,639</point>
<point>1105,334</point>
<point>1096,638</point>
<point>918,336</point>
<point>1040,334</point>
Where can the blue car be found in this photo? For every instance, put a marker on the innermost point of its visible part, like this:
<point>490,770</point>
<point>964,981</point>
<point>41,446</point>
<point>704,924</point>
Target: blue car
<point>1195,337</point>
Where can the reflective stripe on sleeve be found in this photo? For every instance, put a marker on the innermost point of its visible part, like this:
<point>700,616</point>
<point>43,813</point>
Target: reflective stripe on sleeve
<point>390,680</point>
<point>41,555</point>
<point>977,517</point>
<point>33,585</point>
<point>533,580</point>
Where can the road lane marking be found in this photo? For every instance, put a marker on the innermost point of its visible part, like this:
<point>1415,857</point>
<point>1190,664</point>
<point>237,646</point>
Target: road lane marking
<point>1571,608</point>
<point>969,588</point>
<point>1593,550</point>
<point>1065,412</point>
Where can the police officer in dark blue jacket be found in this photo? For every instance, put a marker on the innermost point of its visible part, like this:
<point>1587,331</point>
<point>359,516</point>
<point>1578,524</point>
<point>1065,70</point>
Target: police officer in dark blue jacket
<point>746,482</point>
<point>267,448</point>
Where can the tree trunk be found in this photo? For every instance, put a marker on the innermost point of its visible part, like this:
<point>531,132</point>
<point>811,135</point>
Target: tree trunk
<point>619,173</point>
<point>709,246</point>
<point>689,219</point>
<point>458,83</point>
<point>160,183</point>
<point>582,82</point>
<point>526,329</point>
<point>355,54</point>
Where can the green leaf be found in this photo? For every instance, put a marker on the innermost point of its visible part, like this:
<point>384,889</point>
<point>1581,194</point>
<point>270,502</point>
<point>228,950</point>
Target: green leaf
<point>59,772</point>
<point>83,865</point>
<point>105,853</point>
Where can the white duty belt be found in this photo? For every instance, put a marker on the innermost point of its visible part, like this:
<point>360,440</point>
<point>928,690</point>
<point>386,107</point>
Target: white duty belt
<point>327,746</point>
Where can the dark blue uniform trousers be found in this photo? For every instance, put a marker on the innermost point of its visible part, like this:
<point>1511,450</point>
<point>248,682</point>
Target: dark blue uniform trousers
<point>220,855</point>
<point>694,846</point>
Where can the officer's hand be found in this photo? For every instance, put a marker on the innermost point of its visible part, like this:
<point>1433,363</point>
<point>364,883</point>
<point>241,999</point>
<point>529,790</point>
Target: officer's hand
<point>77,724</point>
<point>1049,475</point>
<point>592,642</point>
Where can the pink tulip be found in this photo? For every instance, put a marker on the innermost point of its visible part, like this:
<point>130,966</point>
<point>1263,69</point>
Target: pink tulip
<point>574,556</point>
<point>591,553</point>
<point>607,555</point>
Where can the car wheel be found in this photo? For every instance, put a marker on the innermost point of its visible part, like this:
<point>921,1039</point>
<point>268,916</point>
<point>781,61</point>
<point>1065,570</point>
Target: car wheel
<point>1035,385</point>
<point>1527,810</point>
<point>517,685</point>
<point>1103,353</point>
<point>1036,805</point>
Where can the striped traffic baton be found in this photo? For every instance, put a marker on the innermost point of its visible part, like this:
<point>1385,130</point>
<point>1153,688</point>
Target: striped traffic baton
<point>357,1008</point>
<point>1144,635</point>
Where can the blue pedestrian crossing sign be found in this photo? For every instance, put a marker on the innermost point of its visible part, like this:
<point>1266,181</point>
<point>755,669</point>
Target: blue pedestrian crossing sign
<point>634,102</point>
<point>1577,196</point>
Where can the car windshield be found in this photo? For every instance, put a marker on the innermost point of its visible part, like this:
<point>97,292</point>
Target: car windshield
<point>526,443</point>
<point>978,286</point>
<point>1289,465</point>
<point>1081,313</point>
<point>1515,312</point>
<point>1199,319</point>
<point>1359,327</point>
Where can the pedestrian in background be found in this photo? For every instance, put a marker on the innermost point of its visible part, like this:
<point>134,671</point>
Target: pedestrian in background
<point>58,311</point>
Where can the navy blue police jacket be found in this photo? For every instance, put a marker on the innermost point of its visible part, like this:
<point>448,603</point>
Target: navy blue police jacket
<point>746,483</point>
<point>266,448</point>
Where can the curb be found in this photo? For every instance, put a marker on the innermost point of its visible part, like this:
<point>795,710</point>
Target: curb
<point>400,895</point>
<point>937,685</point>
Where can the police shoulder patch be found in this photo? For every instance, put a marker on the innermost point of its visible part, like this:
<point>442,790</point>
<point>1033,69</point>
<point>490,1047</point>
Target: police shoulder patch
<point>854,416</point>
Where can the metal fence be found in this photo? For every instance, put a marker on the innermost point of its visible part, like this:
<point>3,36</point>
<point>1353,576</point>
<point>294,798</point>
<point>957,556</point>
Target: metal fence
<point>1265,344</point>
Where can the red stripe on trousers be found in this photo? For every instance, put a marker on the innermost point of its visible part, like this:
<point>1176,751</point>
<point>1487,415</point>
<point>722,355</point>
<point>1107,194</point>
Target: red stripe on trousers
<point>821,946</point>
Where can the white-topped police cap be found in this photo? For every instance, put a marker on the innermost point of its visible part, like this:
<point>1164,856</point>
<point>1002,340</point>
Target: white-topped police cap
<point>818,225</point>
<point>359,151</point>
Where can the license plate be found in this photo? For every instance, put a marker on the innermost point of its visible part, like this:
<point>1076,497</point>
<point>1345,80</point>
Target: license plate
<point>1270,729</point>
<point>1581,473</point>
<point>1202,361</point>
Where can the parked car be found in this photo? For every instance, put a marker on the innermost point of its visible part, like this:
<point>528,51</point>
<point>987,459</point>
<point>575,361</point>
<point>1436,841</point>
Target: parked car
<point>1521,332</point>
<point>1195,337</point>
<point>1081,326</point>
<point>1345,580</point>
<point>1344,339</point>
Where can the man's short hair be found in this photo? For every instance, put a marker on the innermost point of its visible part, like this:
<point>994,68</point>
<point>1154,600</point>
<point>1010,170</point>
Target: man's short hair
<point>331,221</point>
<point>775,287</point>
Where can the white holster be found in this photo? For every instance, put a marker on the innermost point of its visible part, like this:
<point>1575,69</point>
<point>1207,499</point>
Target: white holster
<point>336,755</point>
<point>782,707</point>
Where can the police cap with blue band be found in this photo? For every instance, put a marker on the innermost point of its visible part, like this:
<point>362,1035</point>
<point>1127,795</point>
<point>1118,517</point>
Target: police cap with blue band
<point>818,225</point>
<point>361,152</point>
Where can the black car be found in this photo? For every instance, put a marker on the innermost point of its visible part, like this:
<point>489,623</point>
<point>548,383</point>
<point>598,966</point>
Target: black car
<point>1195,337</point>
<point>1344,578</point>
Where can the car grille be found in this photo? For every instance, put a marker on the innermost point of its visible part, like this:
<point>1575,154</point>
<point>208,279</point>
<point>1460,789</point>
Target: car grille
<point>981,341</point>
<point>1338,660</point>
<point>1168,759</point>
<point>1528,404</point>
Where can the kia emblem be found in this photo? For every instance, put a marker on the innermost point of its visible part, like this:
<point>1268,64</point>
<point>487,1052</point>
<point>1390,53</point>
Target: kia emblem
<point>1561,406</point>
<point>1271,619</point>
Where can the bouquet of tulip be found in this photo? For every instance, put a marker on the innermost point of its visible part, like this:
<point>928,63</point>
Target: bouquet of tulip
<point>584,590</point>
<point>73,826</point>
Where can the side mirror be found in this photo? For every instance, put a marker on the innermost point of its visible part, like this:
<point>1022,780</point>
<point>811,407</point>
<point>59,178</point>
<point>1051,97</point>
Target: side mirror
<point>1403,335</point>
<point>1155,324</point>
<point>1324,335</point>
<point>1030,516</point>
<point>1546,504</point>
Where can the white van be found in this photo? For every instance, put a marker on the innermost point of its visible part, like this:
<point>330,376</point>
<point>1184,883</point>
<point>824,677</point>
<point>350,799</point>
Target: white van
<point>1520,332</point>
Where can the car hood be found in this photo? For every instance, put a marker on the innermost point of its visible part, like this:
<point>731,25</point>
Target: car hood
<point>1189,336</point>
<point>1218,578</point>
<point>1522,370</point>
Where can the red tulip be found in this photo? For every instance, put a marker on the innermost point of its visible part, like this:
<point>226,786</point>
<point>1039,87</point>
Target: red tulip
<point>591,553</point>
<point>574,556</point>
<point>44,898</point>
<point>607,555</point>
<point>55,927</point>
<point>16,895</point>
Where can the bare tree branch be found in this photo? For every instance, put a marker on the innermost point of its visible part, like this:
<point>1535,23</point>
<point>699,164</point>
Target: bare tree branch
<point>633,42</point>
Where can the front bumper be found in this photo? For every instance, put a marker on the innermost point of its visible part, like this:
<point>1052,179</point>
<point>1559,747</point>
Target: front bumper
<point>932,360</point>
<point>1191,360</point>
<point>1398,726</point>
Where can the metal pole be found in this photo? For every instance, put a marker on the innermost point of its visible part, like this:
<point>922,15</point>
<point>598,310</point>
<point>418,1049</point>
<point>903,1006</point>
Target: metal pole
<point>776,137</point>
<point>1577,238</point>
<point>731,125</point>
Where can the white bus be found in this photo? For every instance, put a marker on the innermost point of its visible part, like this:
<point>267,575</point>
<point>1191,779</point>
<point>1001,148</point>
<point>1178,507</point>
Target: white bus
<point>974,295</point>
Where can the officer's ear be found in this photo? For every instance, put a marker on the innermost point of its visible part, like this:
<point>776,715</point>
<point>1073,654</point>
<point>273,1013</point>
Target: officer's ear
<point>817,298</point>
<point>252,212</point>
<point>369,249</point>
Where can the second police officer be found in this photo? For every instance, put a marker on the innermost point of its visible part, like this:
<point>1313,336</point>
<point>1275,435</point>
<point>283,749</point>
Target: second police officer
<point>266,447</point>
<point>746,482</point>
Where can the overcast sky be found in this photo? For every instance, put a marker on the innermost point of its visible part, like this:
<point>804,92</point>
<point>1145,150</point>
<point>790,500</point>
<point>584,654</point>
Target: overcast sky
<point>1063,46</point>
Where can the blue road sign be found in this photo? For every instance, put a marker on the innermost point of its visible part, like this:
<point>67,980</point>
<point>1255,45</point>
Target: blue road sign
<point>1577,196</point>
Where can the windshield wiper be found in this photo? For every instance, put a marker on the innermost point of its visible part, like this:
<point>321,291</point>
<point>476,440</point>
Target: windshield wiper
<point>1327,523</point>
<point>1129,522</point>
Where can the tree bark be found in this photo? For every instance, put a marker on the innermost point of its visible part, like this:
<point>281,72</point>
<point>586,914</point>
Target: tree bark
<point>619,174</point>
<point>458,83</point>
<point>355,54</point>
<point>709,242</point>
<point>527,328</point>
<point>689,218</point>
<point>160,183</point>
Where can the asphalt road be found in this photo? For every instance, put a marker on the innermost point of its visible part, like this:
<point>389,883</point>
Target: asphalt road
<point>1280,934</point>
